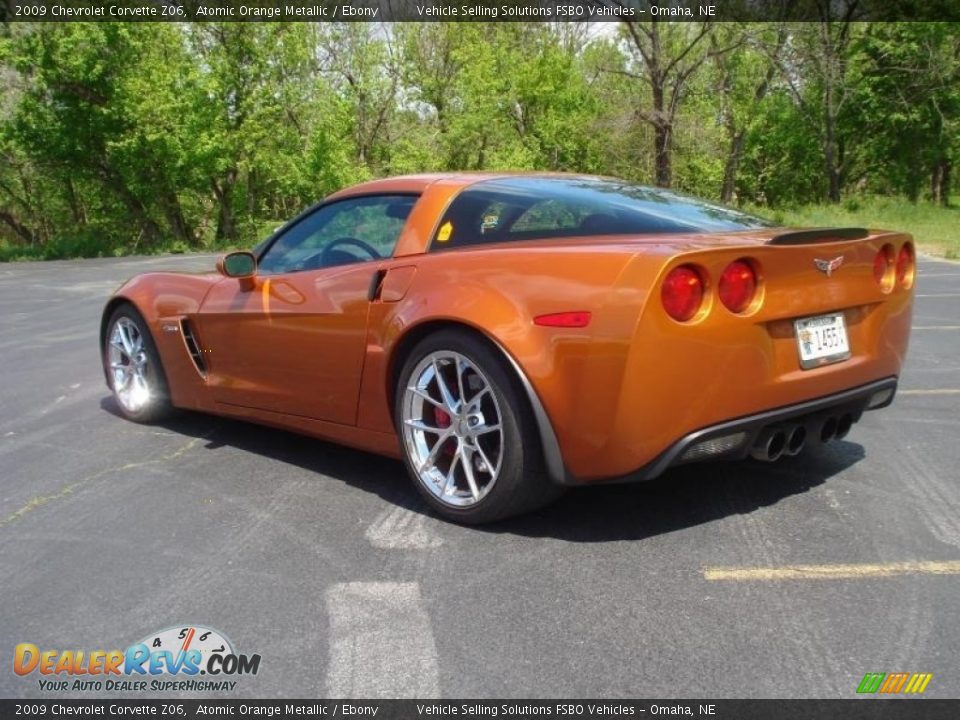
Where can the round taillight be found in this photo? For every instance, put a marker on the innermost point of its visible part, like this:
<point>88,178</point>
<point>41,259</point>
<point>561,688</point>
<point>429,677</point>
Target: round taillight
<point>737,286</point>
<point>682,293</point>
<point>883,267</point>
<point>905,266</point>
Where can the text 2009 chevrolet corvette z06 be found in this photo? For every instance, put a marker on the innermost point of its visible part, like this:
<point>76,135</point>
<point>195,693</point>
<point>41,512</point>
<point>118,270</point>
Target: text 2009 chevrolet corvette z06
<point>508,335</point>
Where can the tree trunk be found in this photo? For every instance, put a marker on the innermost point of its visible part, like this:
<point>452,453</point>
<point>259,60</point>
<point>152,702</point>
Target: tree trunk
<point>662,135</point>
<point>226,226</point>
<point>76,207</point>
<point>253,191</point>
<point>151,231</point>
<point>945,183</point>
<point>940,182</point>
<point>173,212</point>
<point>834,46</point>
<point>831,154</point>
<point>732,167</point>
<point>21,230</point>
<point>915,175</point>
<point>482,154</point>
<point>664,168</point>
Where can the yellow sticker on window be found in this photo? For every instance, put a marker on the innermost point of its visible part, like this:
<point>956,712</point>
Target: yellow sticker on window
<point>443,234</point>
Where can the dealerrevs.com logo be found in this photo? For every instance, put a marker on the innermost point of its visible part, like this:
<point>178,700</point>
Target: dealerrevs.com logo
<point>170,660</point>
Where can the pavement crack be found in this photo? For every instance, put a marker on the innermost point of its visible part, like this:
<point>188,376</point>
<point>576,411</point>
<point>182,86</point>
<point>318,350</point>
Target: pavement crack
<point>68,490</point>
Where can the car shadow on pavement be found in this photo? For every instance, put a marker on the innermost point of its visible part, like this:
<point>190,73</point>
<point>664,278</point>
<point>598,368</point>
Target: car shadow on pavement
<point>683,497</point>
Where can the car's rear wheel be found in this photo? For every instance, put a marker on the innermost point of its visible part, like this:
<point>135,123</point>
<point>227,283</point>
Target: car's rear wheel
<point>133,367</point>
<point>468,436</point>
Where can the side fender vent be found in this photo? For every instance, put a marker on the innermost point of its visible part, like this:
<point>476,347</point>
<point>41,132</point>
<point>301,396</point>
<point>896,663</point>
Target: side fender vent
<point>193,347</point>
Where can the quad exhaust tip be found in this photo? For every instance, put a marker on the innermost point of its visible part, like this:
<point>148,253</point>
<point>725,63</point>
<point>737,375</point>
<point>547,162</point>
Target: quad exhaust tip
<point>778,440</point>
<point>843,426</point>
<point>836,428</point>
<point>828,431</point>
<point>770,445</point>
<point>797,440</point>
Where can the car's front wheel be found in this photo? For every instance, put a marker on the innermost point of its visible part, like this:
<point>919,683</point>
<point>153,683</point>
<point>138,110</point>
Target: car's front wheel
<point>133,368</point>
<point>468,436</point>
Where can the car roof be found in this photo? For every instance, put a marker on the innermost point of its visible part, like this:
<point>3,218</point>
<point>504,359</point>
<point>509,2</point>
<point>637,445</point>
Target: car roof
<point>420,182</point>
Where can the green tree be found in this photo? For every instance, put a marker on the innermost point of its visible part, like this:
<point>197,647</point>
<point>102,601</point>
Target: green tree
<point>86,118</point>
<point>907,100</point>
<point>743,79</point>
<point>666,57</point>
<point>815,67</point>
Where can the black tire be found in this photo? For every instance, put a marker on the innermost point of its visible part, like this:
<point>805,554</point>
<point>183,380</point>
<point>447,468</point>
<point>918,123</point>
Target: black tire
<point>522,484</point>
<point>157,407</point>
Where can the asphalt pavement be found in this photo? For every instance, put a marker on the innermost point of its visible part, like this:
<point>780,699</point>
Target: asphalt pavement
<point>714,581</point>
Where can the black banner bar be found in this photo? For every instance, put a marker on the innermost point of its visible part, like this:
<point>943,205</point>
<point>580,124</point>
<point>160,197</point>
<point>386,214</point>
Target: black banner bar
<point>854,709</point>
<point>475,10</point>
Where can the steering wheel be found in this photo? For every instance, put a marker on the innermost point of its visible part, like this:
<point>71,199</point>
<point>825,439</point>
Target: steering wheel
<point>328,257</point>
<point>329,250</point>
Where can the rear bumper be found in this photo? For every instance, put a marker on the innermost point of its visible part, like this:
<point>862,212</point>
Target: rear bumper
<point>733,439</point>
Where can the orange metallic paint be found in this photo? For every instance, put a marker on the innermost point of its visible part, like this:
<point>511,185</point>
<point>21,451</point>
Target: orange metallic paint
<point>309,352</point>
<point>249,335</point>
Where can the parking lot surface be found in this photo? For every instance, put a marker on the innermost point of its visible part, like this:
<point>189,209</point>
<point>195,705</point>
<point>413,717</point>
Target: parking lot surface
<point>734,580</point>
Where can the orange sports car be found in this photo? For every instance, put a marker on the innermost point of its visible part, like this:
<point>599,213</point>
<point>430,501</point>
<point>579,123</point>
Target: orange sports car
<point>508,335</point>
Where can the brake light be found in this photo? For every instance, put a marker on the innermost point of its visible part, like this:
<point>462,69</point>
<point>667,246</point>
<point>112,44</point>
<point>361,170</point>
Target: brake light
<point>737,286</point>
<point>682,292</point>
<point>883,267</point>
<point>576,319</point>
<point>905,266</point>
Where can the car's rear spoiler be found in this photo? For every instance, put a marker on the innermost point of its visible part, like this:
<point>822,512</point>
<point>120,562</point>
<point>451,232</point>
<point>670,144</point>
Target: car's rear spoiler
<point>819,235</point>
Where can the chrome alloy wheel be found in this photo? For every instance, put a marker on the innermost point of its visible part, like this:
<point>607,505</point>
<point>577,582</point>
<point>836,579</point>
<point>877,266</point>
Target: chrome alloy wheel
<point>452,428</point>
<point>129,365</point>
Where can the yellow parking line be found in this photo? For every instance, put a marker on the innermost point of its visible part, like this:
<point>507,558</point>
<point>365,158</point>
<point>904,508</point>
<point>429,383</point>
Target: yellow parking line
<point>834,572</point>
<point>935,391</point>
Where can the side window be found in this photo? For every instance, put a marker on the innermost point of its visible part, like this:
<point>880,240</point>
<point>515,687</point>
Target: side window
<point>343,232</point>
<point>479,216</point>
<point>550,216</point>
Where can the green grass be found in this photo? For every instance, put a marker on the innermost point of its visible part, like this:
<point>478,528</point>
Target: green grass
<point>93,242</point>
<point>84,247</point>
<point>936,229</point>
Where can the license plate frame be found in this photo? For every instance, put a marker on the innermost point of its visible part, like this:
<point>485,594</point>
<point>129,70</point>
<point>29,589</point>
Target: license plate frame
<point>816,345</point>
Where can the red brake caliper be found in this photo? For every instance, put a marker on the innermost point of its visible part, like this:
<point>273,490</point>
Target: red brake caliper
<point>443,420</point>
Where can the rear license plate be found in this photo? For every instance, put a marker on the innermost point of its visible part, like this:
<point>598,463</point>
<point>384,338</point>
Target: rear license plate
<point>821,340</point>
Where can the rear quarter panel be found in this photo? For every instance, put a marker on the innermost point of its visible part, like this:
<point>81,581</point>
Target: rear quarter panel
<point>498,292</point>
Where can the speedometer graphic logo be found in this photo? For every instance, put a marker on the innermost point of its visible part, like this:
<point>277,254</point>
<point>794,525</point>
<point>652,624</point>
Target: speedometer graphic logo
<point>197,642</point>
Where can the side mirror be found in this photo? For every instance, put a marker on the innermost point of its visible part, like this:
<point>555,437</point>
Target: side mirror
<point>241,265</point>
